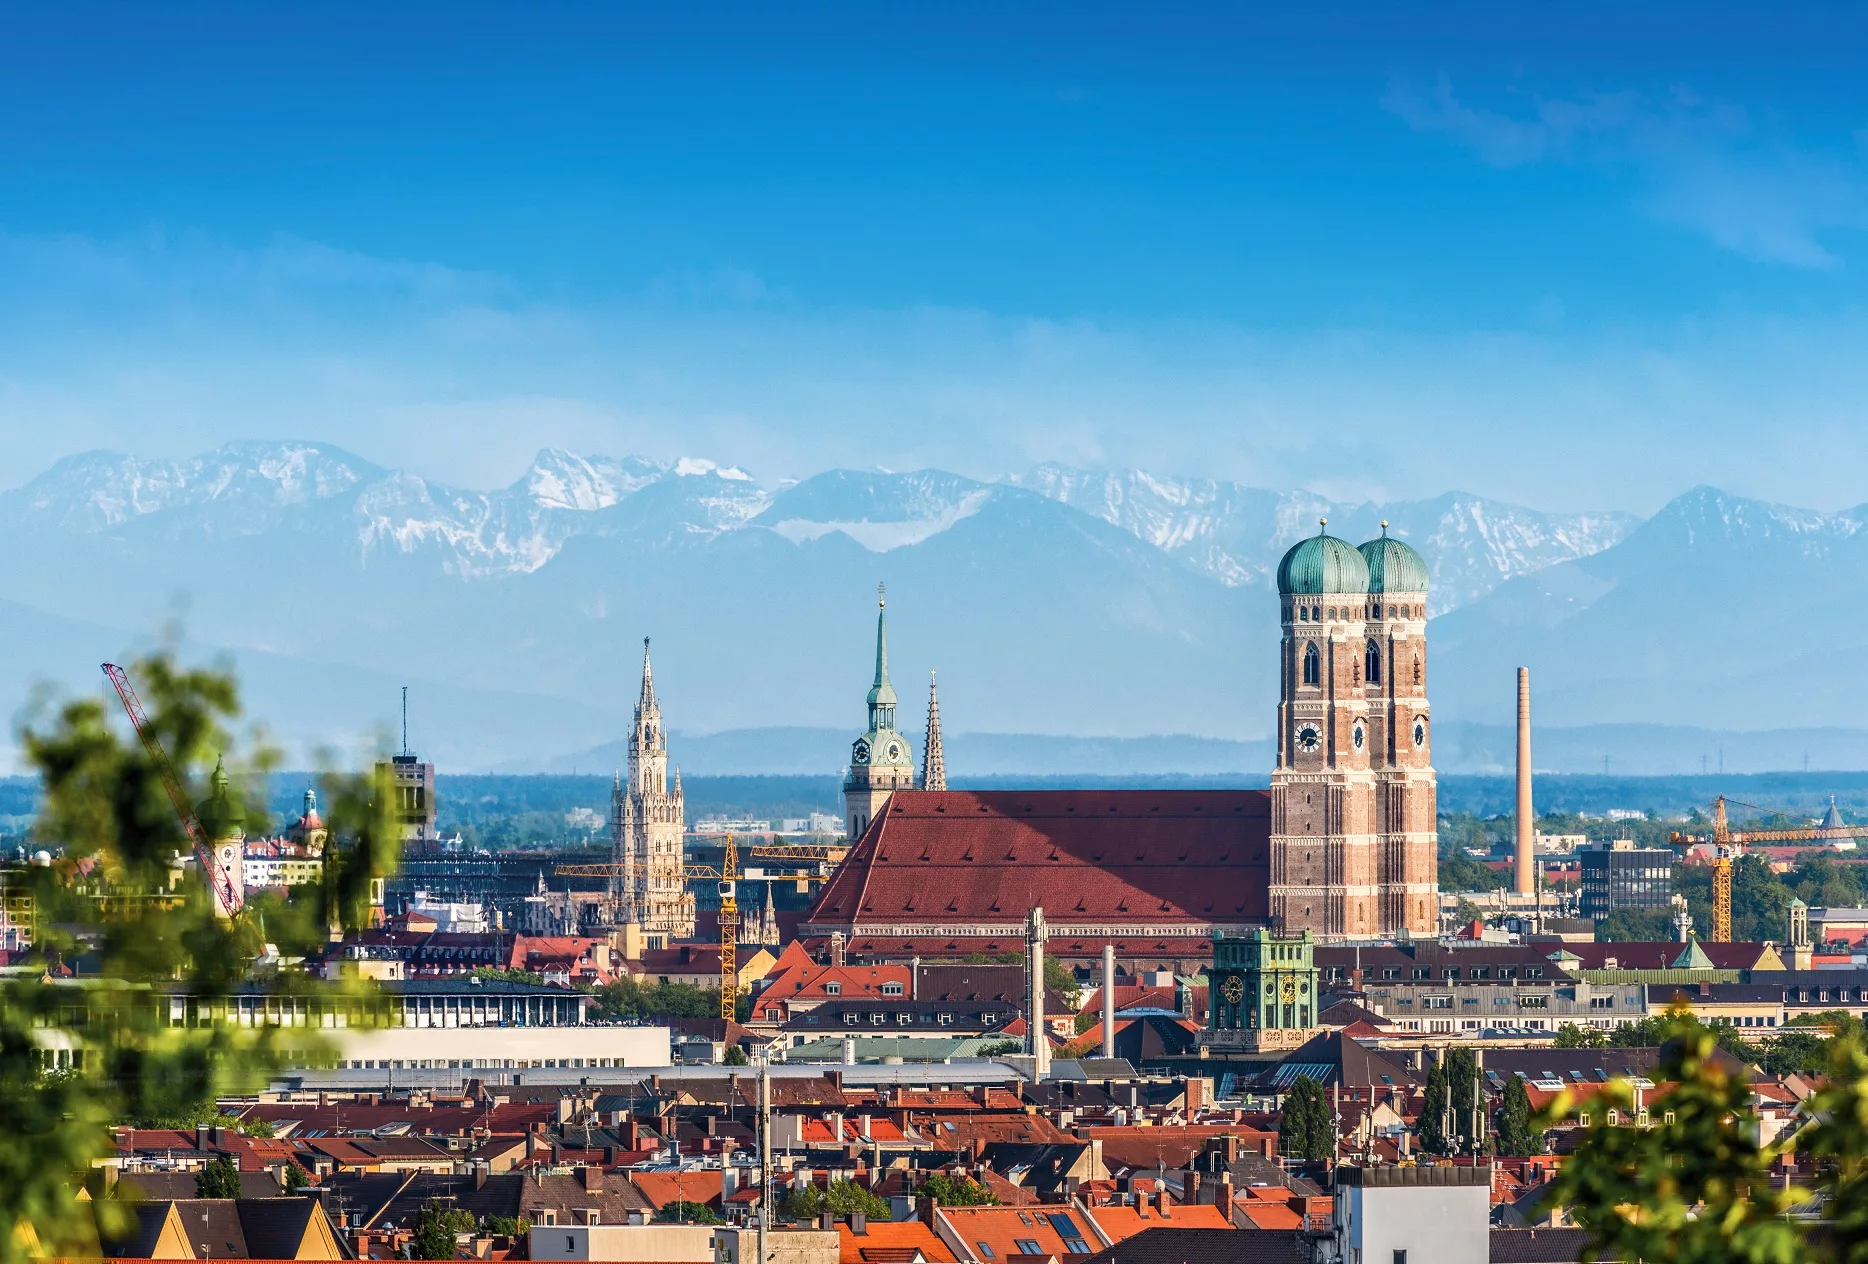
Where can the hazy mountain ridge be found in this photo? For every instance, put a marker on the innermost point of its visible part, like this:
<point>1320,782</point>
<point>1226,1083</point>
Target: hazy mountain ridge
<point>1041,615</point>
<point>1237,533</point>
<point>1227,530</point>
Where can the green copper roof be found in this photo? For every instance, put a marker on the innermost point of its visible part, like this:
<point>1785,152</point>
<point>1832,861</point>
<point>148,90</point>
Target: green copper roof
<point>220,813</point>
<point>1694,958</point>
<point>1322,564</point>
<point>882,693</point>
<point>1393,566</point>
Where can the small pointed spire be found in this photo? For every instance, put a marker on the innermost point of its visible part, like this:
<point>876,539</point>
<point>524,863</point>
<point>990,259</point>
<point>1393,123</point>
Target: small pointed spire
<point>648,675</point>
<point>933,758</point>
<point>881,693</point>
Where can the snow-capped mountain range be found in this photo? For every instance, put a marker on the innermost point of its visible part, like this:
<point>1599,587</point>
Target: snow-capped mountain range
<point>1110,602</point>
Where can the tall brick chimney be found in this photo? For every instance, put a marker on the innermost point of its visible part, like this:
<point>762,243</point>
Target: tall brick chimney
<point>1525,866</point>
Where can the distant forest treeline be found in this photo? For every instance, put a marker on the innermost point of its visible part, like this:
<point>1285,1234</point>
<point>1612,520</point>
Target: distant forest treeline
<point>517,809</point>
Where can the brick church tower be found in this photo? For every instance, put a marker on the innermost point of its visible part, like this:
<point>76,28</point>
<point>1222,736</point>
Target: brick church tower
<point>1353,839</point>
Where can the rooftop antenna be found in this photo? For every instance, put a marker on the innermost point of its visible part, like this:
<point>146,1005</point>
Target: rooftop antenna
<point>405,719</point>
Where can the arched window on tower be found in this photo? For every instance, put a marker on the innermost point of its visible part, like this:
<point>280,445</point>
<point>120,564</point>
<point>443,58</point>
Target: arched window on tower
<point>1313,665</point>
<point>1374,670</point>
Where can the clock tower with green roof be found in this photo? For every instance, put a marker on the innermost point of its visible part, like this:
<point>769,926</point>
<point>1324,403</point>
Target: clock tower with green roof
<point>880,760</point>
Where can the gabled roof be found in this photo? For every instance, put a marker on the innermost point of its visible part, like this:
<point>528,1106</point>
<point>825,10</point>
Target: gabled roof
<point>1207,1246</point>
<point>1334,1058</point>
<point>889,1242</point>
<point>1662,955</point>
<point>1085,856</point>
<point>1122,1221</point>
<point>1538,1246</point>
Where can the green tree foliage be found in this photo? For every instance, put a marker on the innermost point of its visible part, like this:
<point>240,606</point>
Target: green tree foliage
<point>1795,1052</point>
<point>1695,1186</point>
<point>802,1203</point>
<point>1466,913</point>
<point>1570,1036</point>
<point>436,1228</point>
<point>683,1211</point>
<point>1839,1142</point>
<point>1821,882</point>
<point>1306,1130</point>
<point>506,1226</point>
<point>1517,1131</point>
<point>295,1178</point>
<point>626,1000</point>
<point>220,1178</point>
<point>1635,926</point>
<point>1460,872</point>
<point>508,974</point>
<point>957,1191</point>
<point>1432,1128</point>
<point>846,1197</point>
<point>103,801</point>
<point>1462,1091</point>
<point>734,1056</point>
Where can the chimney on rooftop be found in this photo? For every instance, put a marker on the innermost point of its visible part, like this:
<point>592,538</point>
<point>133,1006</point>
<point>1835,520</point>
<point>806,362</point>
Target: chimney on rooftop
<point>1222,1196</point>
<point>1524,880</point>
<point>591,1177</point>
<point>1109,1000</point>
<point>836,948</point>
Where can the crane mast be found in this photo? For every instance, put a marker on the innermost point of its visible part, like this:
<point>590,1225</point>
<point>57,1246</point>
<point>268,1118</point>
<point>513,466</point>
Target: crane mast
<point>1728,845</point>
<point>729,933</point>
<point>226,894</point>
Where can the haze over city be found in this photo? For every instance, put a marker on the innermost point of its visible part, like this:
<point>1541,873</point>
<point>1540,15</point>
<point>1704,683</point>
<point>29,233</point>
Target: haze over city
<point>869,634</point>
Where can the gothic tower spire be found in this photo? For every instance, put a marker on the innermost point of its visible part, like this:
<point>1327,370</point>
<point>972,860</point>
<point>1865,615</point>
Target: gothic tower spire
<point>880,760</point>
<point>882,694</point>
<point>933,759</point>
<point>651,860</point>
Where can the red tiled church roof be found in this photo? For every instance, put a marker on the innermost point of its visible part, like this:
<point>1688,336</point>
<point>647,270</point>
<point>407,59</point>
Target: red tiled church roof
<point>1089,857</point>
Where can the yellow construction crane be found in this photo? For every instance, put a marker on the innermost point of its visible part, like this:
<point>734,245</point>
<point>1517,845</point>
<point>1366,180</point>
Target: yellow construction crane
<point>1728,845</point>
<point>830,853</point>
<point>729,932</point>
<point>611,871</point>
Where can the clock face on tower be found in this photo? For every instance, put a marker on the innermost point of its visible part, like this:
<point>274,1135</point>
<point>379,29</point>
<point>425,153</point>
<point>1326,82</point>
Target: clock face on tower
<point>1420,733</point>
<point>1290,990</point>
<point>1309,737</point>
<point>895,750</point>
<point>1233,989</point>
<point>860,753</point>
<point>1358,736</point>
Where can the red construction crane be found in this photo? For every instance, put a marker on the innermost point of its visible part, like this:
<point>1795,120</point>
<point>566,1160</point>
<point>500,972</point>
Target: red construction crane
<point>226,895</point>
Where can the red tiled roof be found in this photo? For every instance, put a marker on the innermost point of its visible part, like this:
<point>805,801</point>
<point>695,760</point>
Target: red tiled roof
<point>1084,855</point>
<point>886,1241</point>
<point>1661,956</point>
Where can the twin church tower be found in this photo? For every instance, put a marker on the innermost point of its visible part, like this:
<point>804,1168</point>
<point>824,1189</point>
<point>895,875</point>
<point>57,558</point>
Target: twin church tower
<point>1353,823</point>
<point>1353,845</point>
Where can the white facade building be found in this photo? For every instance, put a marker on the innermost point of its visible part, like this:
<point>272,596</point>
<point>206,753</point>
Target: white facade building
<point>1414,1215</point>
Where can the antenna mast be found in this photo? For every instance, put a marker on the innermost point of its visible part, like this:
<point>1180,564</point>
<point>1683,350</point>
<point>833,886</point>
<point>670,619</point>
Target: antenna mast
<point>405,719</point>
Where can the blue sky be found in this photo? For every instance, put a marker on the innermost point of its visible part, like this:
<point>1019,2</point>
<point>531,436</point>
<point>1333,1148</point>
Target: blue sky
<point>1582,255</point>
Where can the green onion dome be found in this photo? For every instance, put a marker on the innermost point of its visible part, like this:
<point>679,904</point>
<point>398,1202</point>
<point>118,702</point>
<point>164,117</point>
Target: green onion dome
<point>1393,566</point>
<point>1322,564</point>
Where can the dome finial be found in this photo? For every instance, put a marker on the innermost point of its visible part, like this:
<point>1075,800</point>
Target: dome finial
<point>1384,526</point>
<point>1323,525</point>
